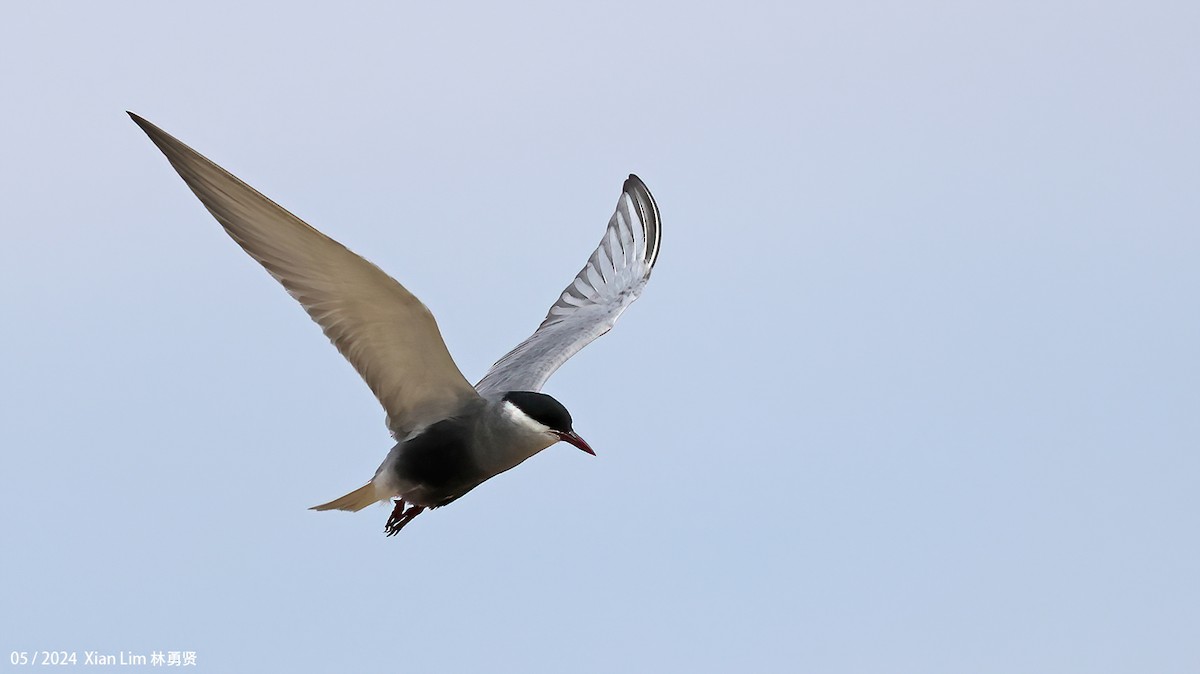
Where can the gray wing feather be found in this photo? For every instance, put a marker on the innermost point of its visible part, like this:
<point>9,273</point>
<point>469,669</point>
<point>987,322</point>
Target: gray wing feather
<point>612,279</point>
<point>386,333</point>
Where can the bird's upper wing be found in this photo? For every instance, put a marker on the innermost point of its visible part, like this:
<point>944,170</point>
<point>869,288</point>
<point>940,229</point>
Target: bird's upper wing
<point>610,281</point>
<point>386,333</point>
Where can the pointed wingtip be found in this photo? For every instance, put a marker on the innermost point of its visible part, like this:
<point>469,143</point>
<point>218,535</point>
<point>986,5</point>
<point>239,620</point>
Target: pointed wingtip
<point>634,185</point>
<point>172,147</point>
<point>648,211</point>
<point>144,125</point>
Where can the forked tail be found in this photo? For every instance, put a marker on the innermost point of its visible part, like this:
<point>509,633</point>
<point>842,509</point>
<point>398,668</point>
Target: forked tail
<point>354,501</point>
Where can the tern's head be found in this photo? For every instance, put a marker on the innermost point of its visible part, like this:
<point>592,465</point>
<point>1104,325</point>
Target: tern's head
<point>548,415</point>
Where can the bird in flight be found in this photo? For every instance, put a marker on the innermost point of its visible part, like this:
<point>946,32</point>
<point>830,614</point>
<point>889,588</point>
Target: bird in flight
<point>450,436</point>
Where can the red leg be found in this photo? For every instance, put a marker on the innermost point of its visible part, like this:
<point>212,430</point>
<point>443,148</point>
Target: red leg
<point>397,514</point>
<point>400,517</point>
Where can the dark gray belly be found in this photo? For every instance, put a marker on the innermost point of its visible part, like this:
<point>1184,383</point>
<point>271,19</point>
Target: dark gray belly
<point>440,461</point>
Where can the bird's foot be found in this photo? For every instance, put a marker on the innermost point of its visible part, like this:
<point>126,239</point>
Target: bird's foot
<point>396,516</point>
<point>400,517</point>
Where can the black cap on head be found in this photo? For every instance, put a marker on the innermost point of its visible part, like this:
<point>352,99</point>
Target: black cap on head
<point>542,409</point>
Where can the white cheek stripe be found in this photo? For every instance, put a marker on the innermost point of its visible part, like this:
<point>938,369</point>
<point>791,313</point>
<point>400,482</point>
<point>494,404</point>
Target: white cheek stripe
<point>513,412</point>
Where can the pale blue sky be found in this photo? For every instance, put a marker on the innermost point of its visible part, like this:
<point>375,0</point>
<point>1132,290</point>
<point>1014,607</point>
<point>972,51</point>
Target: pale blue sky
<point>914,387</point>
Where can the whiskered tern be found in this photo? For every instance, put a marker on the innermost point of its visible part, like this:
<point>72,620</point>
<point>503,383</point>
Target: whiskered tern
<point>451,436</point>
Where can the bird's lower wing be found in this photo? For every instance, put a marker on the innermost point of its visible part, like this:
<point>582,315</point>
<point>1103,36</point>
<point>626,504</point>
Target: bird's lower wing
<point>612,279</point>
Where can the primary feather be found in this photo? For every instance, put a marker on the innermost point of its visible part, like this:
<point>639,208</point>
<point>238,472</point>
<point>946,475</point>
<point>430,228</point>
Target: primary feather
<point>386,333</point>
<point>612,279</point>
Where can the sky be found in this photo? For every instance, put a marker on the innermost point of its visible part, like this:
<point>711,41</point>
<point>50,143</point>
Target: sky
<point>914,386</point>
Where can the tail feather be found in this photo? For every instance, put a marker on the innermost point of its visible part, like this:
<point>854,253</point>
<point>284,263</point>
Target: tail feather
<point>354,501</point>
